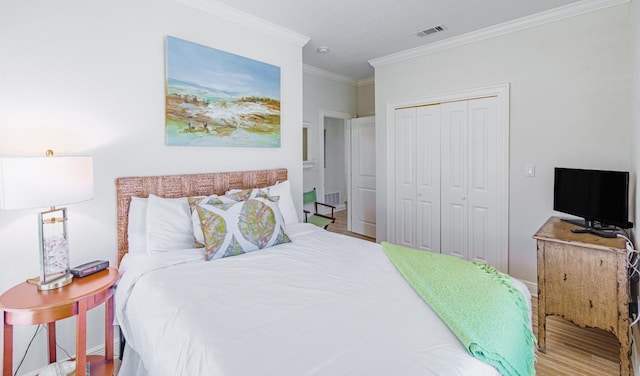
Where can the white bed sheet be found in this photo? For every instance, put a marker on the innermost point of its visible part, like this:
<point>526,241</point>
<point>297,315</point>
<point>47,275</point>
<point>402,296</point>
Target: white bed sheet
<point>324,304</point>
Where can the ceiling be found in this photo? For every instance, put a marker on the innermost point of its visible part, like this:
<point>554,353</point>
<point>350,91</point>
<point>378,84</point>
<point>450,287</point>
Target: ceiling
<point>356,31</point>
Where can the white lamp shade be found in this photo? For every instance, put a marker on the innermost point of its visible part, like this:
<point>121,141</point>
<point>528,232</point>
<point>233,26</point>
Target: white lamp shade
<point>36,182</point>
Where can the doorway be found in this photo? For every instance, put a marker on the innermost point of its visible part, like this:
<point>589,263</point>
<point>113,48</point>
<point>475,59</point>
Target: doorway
<point>347,169</point>
<point>335,168</point>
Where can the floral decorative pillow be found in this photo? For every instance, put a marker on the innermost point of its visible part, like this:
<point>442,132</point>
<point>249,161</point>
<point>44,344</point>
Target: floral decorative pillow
<point>239,194</point>
<point>198,237</point>
<point>245,194</point>
<point>280,192</point>
<point>233,227</point>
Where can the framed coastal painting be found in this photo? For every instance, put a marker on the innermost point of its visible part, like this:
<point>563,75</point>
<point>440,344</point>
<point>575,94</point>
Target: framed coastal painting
<point>215,98</point>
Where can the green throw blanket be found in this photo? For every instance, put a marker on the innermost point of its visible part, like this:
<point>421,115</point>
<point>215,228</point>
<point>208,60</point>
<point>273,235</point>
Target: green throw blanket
<point>478,303</point>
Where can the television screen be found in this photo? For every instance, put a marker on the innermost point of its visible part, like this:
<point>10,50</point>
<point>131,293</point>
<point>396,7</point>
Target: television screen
<point>595,195</point>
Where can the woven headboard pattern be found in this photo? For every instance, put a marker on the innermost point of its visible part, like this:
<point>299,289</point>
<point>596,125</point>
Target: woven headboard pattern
<point>184,186</point>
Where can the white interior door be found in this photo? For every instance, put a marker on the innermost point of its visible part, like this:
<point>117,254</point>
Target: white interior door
<point>362,204</point>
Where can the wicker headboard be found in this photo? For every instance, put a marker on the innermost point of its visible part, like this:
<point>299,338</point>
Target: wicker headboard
<point>183,186</point>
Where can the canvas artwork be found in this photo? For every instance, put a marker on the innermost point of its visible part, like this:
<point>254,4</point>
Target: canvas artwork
<point>215,98</point>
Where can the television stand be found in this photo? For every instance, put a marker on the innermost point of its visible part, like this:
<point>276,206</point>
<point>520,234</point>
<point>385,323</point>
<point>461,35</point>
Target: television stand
<point>583,279</point>
<point>590,227</point>
<point>590,230</point>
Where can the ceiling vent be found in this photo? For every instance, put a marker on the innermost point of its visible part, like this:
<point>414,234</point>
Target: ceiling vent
<point>432,30</point>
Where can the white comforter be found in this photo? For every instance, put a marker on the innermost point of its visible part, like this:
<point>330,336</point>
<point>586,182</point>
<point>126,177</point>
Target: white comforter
<point>325,304</point>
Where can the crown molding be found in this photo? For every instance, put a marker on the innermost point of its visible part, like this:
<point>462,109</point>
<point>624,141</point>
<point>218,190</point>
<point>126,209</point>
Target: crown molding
<point>552,15</point>
<point>328,75</point>
<point>366,81</point>
<point>219,9</point>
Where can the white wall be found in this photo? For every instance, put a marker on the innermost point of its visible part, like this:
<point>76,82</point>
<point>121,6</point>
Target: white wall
<point>87,77</point>
<point>570,106</point>
<point>366,97</point>
<point>325,94</point>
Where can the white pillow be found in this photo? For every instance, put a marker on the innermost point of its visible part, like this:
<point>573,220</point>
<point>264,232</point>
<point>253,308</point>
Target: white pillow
<point>287,207</point>
<point>169,224</point>
<point>137,230</point>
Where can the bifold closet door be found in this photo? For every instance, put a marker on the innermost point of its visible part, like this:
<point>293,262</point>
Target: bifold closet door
<point>417,177</point>
<point>405,179</point>
<point>450,173</point>
<point>469,161</point>
<point>446,179</point>
<point>454,179</point>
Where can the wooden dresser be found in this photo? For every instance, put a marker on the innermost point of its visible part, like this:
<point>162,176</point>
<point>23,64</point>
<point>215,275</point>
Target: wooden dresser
<point>583,278</point>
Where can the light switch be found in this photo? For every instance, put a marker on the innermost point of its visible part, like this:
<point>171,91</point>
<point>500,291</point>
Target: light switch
<point>531,170</point>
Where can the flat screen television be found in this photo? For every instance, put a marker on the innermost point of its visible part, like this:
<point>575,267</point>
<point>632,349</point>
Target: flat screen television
<point>600,198</point>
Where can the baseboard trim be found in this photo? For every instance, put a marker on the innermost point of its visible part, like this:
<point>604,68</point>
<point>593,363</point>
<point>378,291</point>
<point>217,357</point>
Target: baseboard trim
<point>97,350</point>
<point>531,286</point>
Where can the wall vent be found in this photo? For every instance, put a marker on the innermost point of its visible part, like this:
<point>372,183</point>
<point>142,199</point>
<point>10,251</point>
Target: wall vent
<point>332,198</point>
<point>432,30</point>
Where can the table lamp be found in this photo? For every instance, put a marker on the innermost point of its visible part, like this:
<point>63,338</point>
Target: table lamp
<point>35,182</point>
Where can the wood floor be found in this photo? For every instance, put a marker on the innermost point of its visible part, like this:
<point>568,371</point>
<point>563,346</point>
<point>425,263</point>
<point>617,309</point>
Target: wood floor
<point>340,226</point>
<point>571,350</point>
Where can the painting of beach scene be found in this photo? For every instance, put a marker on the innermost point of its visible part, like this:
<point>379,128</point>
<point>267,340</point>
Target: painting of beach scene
<point>215,98</point>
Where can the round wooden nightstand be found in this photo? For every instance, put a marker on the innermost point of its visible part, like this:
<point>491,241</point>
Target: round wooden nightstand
<point>24,304</point>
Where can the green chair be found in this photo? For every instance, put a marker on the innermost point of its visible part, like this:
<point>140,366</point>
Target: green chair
<point>320,220</point>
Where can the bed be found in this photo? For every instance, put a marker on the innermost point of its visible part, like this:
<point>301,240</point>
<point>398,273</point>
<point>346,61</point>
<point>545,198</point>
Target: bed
<point>312,303</point>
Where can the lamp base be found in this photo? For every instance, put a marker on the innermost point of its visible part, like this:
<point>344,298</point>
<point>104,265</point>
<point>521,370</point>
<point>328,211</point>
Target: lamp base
<point>55,284</point>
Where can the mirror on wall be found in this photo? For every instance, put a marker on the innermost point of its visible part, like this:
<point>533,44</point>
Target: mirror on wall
<point>305,141</point>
